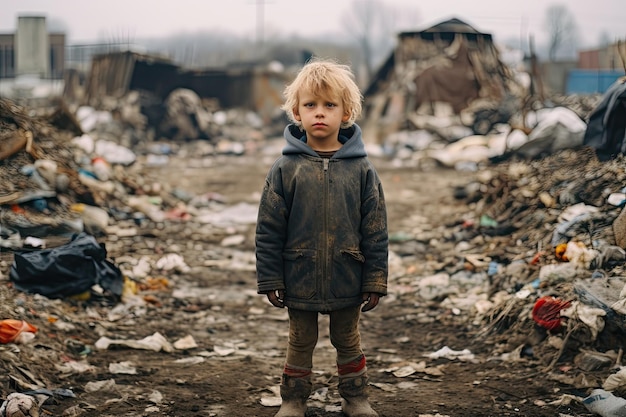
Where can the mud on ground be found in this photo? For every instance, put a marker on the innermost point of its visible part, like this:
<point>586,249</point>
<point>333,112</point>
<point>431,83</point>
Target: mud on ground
<point>241,338</point>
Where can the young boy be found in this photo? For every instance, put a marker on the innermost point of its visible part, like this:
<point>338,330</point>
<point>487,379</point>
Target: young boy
<point>321,236</point>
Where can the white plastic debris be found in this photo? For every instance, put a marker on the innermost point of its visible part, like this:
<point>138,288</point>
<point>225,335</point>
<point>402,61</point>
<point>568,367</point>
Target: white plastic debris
<point>590,316</point>
<point>156,342</point>
<point>606,404</point>
<point>19,405</point>
<point>85,142</point>
<point>114,153</point>
<point>126,367</point>
<point>105,385</point>
<point>186,342</point>
<point>446,352</point>
<point>616,380</point>
<point>172,262</point>
<point>620,305</point>
<point>156,397</point>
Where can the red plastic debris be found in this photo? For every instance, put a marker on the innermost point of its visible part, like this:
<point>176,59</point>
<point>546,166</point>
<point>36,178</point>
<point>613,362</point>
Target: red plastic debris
<point>537,258</point>
<point>10,329</point>
<point>547,312</point>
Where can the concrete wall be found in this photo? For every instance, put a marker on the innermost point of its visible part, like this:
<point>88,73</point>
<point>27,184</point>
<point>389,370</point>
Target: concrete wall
<point>57,54</point>
<point>606,58</point>
<point>7,56</point>
<point>33,50</point>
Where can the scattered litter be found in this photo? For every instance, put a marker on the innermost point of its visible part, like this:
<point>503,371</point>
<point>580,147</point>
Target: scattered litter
<point>156,342</point>
<point>446,352</point>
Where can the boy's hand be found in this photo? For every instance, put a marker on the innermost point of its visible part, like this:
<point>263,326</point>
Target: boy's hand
<point>276,297</point>
<point>372,300</point>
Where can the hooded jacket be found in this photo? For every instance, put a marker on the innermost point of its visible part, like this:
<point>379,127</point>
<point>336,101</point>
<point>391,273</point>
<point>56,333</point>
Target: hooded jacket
<point>321,233</point>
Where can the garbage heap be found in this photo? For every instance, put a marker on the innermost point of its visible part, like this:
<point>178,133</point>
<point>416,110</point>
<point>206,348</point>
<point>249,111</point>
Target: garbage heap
<point>551,235</point>
<point>40,174</point>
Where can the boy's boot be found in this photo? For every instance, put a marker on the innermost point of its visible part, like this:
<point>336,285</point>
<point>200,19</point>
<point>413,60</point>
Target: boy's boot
<point>294,391</point>
<point>353,390</point>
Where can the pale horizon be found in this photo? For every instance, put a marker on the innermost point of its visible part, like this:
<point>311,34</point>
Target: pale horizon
<point>91,22</point>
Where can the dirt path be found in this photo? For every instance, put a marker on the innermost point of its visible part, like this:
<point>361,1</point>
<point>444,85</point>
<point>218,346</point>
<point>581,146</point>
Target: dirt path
<point>241,339</point>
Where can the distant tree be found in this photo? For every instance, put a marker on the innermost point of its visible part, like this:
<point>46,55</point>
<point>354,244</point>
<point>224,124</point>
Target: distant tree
<point>562,29</point>
<point>604,39</point>
<point>374,26</point>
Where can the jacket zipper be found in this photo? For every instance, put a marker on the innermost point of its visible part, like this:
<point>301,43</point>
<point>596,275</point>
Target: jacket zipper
<point>325,266</point>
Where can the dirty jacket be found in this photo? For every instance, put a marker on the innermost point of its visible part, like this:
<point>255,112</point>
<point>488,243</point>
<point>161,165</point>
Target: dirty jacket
<point>321,233</point>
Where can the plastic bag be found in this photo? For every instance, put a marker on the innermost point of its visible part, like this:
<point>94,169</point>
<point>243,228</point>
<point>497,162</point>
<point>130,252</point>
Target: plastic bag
<point>605,403</point>
<point>547,312</point>
<point>66,270</point>
<point>10,329</point>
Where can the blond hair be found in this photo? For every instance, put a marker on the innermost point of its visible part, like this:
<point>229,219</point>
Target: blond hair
<point>326,78</point>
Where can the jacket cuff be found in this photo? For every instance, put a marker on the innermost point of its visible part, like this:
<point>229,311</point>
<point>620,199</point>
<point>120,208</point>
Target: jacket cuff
<point>267,286</point>
<point>382,290</point>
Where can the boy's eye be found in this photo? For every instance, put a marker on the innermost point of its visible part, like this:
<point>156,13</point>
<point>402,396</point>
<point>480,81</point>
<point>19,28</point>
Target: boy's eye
<point>331,105</point>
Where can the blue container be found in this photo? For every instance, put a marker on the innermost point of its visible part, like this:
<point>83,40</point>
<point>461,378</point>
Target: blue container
<point>590,81</point>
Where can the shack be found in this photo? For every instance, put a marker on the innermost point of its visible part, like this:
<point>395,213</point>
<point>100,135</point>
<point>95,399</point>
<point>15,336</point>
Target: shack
<point>449,65</point>
<point>256,88</point>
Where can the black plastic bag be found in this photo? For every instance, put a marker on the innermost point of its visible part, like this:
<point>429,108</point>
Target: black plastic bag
<point>606,129</point>
<point>66,270</point>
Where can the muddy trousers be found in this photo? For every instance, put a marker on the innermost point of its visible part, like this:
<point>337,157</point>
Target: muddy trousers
<point>351,365</point>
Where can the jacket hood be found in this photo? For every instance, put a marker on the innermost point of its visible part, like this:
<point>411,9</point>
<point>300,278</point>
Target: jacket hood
<point>351,139</point>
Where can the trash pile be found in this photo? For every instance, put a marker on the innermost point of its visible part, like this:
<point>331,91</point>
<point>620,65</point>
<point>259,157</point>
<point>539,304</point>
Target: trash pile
<point>449,142</point>
<point>535,263</point>
<point>553,227</point>
<point>82,178</point>
<point>555,234</point>
<point>70,197</point>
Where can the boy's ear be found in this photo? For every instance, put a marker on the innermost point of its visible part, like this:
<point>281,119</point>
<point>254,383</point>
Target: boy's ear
<point>346,116</point>
<point>296,114</point>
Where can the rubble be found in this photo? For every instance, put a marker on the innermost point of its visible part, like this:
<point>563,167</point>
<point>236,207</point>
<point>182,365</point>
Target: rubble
<point>486,267</point>
<point>447,69</point>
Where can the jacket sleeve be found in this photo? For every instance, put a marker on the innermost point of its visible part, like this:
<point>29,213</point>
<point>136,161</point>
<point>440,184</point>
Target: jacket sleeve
<point>271,231</point>
<point>375,239</point>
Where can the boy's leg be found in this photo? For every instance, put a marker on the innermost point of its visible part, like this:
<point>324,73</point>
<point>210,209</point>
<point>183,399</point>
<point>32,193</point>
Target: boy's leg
<point>351,364</point>
<point>302,338</point>
<point>296,384</point>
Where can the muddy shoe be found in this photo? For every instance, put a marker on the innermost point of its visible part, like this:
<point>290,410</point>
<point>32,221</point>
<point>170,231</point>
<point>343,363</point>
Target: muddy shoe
<point>294,392</point>
<point>357,407</point>
<point>292,408</point>
<point>353,390</point>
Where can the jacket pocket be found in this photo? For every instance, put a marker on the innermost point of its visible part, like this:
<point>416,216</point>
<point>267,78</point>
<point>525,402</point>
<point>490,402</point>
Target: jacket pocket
<point>299,267</point>
<point>347,271</point>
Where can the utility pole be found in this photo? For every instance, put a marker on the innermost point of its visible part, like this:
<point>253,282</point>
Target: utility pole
<point>260,21</point>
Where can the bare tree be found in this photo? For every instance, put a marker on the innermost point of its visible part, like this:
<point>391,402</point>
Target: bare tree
<point>373,24</point>
<point>604,39</point>
<point>561,27</point>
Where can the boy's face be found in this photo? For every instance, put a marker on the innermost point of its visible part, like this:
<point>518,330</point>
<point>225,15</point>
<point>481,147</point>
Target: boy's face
<point>321,117</point>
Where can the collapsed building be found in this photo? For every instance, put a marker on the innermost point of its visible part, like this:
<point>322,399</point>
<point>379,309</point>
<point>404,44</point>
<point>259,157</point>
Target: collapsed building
<point>450,63</point>
<point>114,75</point>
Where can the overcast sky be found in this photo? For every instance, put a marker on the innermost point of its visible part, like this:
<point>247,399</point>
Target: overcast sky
<point>86,21</point>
